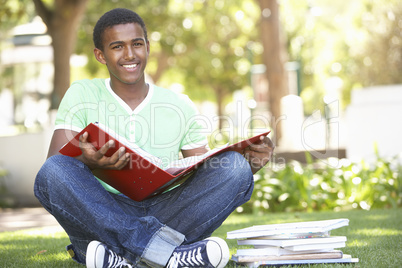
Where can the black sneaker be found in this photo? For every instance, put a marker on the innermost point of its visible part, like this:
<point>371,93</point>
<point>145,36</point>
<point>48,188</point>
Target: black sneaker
<point>212,252</point>
<point>99,256</point>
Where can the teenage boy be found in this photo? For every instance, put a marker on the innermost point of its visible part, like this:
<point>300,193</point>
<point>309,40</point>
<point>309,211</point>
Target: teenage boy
<point>107,229</point>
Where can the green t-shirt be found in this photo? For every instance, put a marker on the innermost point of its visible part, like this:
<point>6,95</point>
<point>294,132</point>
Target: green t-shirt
<point>163,124</point>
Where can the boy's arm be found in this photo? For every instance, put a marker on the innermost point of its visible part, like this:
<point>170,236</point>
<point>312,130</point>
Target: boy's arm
<point>59,138</point>
<point>194,152</point>
<point>91,157</point>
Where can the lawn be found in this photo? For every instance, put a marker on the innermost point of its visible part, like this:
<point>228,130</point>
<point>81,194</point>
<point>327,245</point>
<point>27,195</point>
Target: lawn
<point>375,237</point>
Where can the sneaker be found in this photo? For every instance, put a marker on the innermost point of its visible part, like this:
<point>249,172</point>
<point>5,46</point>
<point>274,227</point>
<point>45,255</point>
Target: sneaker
<point>99,256</point>
<point>212,252</point>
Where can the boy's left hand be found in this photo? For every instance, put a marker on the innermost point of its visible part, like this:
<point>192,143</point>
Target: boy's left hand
<point>258,154</point>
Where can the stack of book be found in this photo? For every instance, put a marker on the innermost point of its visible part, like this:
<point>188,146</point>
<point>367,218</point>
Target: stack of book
<point>290,244</point>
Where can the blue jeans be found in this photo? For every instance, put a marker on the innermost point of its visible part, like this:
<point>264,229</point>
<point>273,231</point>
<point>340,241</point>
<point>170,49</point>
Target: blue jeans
<point>146,232</point>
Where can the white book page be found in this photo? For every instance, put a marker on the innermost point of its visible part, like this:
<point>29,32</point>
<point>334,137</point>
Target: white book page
<point>174,167</point>
<point>291,242</point>
<point>289,229</point>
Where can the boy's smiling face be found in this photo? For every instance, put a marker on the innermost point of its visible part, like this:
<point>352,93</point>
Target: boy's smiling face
<point>125,53</point>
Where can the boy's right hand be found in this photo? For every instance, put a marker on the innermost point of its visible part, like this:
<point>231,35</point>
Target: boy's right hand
<point>96,159</point>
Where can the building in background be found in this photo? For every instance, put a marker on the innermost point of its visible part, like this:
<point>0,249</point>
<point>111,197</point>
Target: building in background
<point>27,78</point>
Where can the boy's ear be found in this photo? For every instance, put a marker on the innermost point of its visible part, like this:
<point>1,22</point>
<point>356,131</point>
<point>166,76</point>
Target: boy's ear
<point>148,47</point>
<point>99,55</point>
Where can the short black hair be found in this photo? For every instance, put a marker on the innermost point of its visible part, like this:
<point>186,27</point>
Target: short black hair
<point>114,17</point>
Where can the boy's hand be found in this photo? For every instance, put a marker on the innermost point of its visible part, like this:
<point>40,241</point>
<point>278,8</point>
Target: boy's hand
<point>95,159</point>
<point>258,154</point>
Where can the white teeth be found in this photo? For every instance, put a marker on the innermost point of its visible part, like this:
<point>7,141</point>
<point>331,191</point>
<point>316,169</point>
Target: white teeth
<point>130,66</point>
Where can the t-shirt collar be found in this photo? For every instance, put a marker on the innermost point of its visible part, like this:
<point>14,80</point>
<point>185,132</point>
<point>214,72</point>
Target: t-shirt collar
<point>124,104</point>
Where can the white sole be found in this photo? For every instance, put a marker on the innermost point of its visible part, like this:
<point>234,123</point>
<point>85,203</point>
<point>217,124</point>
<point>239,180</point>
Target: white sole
<point>94,248</point>
<point>225,254</point>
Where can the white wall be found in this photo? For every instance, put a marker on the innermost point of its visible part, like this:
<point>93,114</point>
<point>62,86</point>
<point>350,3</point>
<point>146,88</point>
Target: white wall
<point>320,131</point>
<point>22,156</point>
<point>374,116</point>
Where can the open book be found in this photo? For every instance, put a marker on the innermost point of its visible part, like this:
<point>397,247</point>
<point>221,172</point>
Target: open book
<point>144,176</point>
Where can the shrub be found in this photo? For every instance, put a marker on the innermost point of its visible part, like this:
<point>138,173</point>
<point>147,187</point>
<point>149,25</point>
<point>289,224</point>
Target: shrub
<point>334,184</point>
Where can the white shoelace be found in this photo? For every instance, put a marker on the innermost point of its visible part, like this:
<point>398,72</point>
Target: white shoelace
<point>116,261</point>
<point>192,258</point>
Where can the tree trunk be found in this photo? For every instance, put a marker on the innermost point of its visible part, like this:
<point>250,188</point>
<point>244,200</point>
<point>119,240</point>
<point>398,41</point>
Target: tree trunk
<point>62,23</point>
<point>273,58</point>
<point>161,66</point>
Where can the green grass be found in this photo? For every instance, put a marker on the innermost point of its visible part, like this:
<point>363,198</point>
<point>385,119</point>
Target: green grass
<point>375,237</point>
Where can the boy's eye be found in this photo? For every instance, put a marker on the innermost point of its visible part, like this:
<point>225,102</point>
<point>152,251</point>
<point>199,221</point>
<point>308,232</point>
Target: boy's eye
<point>117,47</point>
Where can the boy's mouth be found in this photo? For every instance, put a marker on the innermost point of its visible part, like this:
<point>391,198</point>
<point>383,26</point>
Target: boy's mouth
<point>130,66</point>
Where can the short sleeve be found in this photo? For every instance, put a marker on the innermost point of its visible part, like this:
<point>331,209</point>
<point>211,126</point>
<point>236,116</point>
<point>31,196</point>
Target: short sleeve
<point>72,110</point>
<point>196,134</point>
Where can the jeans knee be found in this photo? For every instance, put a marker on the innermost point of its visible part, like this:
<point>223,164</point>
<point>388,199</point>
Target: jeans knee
<point>41,185</point>
<point>55,172</point>
<point>238,166</point>
<point>236,170</point>
<point>238,177</point>
<point>58,177</point>
<point>48,170</point>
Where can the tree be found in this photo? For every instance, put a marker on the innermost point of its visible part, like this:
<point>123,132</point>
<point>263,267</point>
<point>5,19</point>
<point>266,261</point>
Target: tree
<point>215,61</point>
<point>274,58</point>
<point>378,61</point>
<point>12,13</point>
<point>357,42</point>
<point>62,21</point>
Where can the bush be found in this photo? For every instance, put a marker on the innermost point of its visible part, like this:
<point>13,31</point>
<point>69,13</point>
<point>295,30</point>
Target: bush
<point>4,199</point>
<point>336,184</point>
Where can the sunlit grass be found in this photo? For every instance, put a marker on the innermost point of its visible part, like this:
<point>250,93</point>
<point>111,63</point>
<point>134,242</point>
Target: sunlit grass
<point>378,232</point>
<point>43,247</point>
<point>375,237</point>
